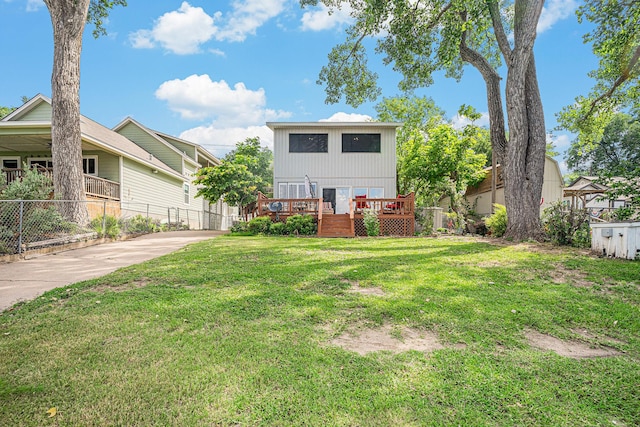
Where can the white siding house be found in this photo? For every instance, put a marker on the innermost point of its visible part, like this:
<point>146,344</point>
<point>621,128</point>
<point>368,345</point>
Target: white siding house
<point>342,160</point>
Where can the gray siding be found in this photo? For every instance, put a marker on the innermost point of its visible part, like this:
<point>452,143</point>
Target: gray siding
<point>335,168</point>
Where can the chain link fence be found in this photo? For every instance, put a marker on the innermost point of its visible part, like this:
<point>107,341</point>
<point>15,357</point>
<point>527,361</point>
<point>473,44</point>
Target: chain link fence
<point>35,224</point>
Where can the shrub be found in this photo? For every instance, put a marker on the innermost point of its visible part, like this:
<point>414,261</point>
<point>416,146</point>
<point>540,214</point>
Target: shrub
<point>565,226</point>
<point>278,228</point>
<point>301,224</point>
<point>32,186</point>
<point>239,227</point>
<point>111,226</point>
<point>259,225</point>
<point>497,223</point>
<point>141,224</point>
<point>371,222</point>
<point>40,222</point>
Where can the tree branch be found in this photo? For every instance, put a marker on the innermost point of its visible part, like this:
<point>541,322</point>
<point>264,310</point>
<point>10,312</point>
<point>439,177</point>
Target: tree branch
<point>624,76</point>
<point>498,30</point>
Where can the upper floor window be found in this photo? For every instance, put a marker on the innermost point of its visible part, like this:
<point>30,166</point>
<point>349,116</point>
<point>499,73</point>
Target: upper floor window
<point>360,142</point>
<point>308,143</point>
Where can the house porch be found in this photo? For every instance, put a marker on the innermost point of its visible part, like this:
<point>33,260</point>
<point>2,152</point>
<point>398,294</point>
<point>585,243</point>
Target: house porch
<point>396,215</point>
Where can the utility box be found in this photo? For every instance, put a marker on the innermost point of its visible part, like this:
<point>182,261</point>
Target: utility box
<point>616,239</point>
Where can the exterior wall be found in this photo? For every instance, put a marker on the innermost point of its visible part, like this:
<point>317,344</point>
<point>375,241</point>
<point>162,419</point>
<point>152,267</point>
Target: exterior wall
<point>552,187</point>
<point>108,164</point>
<point>187,149</point>
<point>335,168</point>
<point>163,152</point>
<point>40,113</point>
<point>141,187</point>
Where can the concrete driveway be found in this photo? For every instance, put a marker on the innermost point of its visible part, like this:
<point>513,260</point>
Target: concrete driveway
<point>26,279</point>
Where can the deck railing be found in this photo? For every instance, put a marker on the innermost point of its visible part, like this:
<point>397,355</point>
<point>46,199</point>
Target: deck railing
<point>402,205</point>
<point>93,185</point>
<point>265,206</point>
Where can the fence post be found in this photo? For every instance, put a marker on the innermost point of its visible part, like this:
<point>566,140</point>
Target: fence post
<point>104,218</point>
<point>148,219</point>
<point>169,218</point>
<point>20,227</point>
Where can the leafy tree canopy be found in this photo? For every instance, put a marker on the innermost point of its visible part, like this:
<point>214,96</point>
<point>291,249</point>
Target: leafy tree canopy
<point>433,158</point>
<point>616,41</point>
<point>243,172</point>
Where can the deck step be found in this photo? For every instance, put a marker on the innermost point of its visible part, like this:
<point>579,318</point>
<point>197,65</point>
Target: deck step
<point>336,226</point>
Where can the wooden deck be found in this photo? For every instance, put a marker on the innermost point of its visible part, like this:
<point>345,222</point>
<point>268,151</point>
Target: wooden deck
<point>396,215</point>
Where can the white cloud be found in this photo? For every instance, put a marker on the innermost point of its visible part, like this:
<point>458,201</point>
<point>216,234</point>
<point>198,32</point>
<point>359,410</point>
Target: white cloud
<point>247,17</point>
<point>219,141</point>
<point>347,117</point>
<point>181,31</point>
<point>34,5</point>
<point>185,30</point>
<point>554,11</point>
<point>459,122</point>
<point>235,113</point>
<point>198,97</point>
<point>322,18</point>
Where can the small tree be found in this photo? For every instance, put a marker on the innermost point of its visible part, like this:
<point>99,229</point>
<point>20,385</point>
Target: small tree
<point>233,183</point>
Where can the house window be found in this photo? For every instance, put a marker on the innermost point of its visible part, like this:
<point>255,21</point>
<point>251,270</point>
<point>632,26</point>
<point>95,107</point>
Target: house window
<point>376,193</point>
<point>360,192</point>
<point>360,142</point>
<point>90,165</point>
<point>308,143</point>
<point>10,162</point>
<point>295,190</point>
<point>186,190</point>
<point>40,162</point>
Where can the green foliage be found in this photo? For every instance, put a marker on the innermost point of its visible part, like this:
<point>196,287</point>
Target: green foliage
<point>259,225</point>
<point>497,222</point>
<point>301,224</point>
<point>616,42</point>
<point>5,111</point>
<point>240,227</point>
<point>106,226</point>
<point>278,228</point>
<point>371,222</point>
<point>32,186</point>
<point>141,224</point>
<point>433,158</point>
<point>99,13</point>
<point>43,222</point>
<point>242,173</point>
<point>567,226</point>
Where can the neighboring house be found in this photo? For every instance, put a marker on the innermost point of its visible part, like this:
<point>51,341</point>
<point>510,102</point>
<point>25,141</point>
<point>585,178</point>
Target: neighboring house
<point>135,169</point>
<point>478,196</point>
<point>586,192</point>
<point>343,160</point>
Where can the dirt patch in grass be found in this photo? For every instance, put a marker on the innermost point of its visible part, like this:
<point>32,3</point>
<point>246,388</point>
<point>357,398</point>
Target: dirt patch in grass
<point>572,349</point>
<point>591,336</point>
<point>141,283</point>
<point>396,340</point>
<point>357,289</point>
<point>574,277</point>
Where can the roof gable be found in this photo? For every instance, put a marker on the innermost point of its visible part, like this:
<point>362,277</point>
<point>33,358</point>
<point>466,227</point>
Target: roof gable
<point>37,108</point>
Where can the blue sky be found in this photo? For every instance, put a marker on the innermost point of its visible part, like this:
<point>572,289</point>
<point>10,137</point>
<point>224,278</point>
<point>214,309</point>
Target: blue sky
<point>215,72</point>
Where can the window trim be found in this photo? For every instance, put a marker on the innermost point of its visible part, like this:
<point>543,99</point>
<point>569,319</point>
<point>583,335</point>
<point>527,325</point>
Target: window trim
<point>16,158</point>
<point>186,191</point>
<point>326,143</point>
<point>350,137</point>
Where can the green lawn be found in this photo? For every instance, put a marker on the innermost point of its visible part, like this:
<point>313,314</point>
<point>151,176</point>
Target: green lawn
<point>238,331</point>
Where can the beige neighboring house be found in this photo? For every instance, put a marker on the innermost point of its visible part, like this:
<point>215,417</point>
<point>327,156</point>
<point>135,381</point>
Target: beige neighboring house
<point>479,196</point>
<point>586,192</point>
<point>135,169</point>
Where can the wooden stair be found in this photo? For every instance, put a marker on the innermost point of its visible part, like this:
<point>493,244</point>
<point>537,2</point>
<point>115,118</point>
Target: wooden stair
<point>335,226</point>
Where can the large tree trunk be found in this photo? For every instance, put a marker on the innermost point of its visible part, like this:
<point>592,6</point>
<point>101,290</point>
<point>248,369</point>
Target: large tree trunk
<point>524,166</point>
<point>68,18</point>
